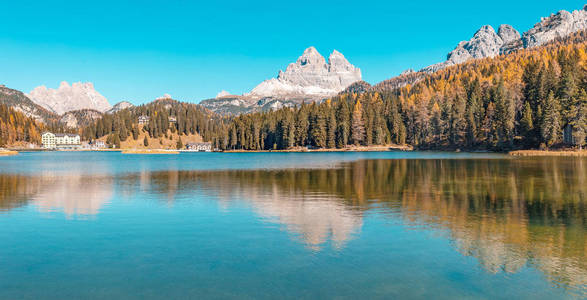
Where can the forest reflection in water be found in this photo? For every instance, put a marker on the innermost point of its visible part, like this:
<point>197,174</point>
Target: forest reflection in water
<point>506,213</point>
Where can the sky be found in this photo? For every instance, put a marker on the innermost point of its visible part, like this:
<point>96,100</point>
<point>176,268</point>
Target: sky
<point>137,51</point>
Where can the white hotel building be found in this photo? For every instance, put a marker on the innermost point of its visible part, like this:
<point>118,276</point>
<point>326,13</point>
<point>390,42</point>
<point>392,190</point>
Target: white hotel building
<point>61,141</point>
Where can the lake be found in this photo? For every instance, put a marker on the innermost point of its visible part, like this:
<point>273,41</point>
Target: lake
<point>418,225</point>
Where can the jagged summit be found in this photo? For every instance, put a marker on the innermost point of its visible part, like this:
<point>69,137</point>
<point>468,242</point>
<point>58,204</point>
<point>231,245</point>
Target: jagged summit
<point>310,78</point>
<point>487,43</point>
<point>484,43</point>
<point>555,26</point>
<point>311,74</point>
<point>120,106</point>
<point>69,97</point>
<point>222,93</point>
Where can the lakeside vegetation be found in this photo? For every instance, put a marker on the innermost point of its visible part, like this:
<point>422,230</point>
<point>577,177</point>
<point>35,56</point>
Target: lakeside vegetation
<point>547,153</point>
<point>523,100</point>
<point>528,99</point>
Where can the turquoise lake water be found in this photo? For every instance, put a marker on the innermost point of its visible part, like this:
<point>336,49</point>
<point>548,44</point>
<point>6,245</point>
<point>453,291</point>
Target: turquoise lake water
<point>407,225</point>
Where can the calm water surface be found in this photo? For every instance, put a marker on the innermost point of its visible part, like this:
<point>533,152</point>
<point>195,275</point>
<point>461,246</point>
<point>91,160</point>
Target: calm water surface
<point>292,225</point>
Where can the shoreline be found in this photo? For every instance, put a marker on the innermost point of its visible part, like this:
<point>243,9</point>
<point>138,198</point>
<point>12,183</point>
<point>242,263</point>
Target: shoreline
<point>528,153</point>
<point>8,152</point>
<point>155,151</point>
<point>348,149</point>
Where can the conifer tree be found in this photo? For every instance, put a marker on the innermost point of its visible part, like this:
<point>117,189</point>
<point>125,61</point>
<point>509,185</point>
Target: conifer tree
<point>358,126</point>
<point>551,123</point>
<point>579,121</point>
<point>332,127</point>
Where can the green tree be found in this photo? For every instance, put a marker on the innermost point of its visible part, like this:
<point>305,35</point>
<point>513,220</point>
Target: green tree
<point>358,126</point>
<point>579,121</point>
<point>551,123</point>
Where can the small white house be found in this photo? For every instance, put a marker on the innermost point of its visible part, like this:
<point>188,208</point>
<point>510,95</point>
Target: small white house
<point>143,120</point>
<point>200,147</point>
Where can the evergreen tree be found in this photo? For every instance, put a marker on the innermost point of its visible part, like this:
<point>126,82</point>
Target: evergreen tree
<point>551,123</point>
<point>527,124</point>
<point>358,126</point>
<point>332,127</point>
<point>579,121</point>
<point>343,124</point>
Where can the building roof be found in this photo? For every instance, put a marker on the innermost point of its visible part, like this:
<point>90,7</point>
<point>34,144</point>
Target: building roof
<point>61,134</point>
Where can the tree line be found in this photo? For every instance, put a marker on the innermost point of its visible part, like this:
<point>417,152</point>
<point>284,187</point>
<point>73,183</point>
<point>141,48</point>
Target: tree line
<point>532,98</point>
<point>17,128</point>
<point>189,119</point>
<point>526,99</point>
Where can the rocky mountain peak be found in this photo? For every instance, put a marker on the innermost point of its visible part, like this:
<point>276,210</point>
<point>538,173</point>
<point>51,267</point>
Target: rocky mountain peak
<point>486,43</point>
<point>338,63</point>
<point>120,106</point>
<point>309,78</point>
<point>555,26</point>
<point>310,56</point>
<point>69,97</point>
<point>311,75</point>
<point>222,93</point>
<point>508,34</point>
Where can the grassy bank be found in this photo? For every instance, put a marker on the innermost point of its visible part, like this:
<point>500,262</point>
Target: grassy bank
<point>548,153</point>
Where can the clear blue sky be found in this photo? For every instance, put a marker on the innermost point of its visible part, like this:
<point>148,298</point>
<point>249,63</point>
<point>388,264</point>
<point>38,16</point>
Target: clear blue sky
<point>139,50</point>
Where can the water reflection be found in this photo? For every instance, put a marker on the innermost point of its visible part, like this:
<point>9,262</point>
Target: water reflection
<point>506,213</point>
<point>73,194</point>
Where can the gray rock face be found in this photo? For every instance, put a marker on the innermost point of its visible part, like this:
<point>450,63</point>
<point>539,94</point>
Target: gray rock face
<point>484,43</point>
<point>119,106</point>
<point>310,79</point>
<point>70,97</point>
<point>311,75</point>
<point>556,26</point>
<point>18,101</point>
<point>508,34</point>
<point>79,118</point>
<point>487,43</point>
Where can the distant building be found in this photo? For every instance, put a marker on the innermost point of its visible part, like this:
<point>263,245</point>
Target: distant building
<point>97,144</point>
<point>143,120</point>
<point>201,147</point>
<point>61,141</point>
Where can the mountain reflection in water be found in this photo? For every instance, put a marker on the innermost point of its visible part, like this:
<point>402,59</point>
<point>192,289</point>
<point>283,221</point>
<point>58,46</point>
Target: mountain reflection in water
<point>506,213</point>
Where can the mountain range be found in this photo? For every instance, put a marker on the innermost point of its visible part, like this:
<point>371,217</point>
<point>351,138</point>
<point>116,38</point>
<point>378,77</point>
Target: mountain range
<point>310,78</point>
<point>69,97</point>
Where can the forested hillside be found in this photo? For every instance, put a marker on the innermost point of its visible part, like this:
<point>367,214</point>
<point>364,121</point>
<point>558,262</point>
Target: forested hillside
<point>190,119</point>
<point>522,100</point>
<point>525,99</point>
<point>16,128</point>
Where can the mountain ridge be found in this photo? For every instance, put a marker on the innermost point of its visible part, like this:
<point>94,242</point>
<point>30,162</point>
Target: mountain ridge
<point>68,97</point>
<point>310,78</point>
